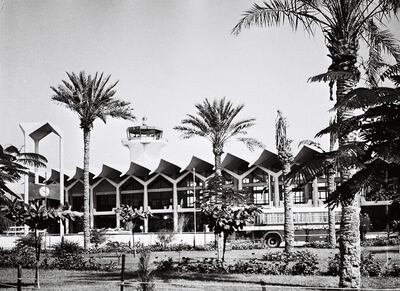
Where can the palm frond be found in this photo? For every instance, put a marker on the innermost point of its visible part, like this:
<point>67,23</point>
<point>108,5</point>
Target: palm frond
<point>277,12</point>
<point>91,98</point>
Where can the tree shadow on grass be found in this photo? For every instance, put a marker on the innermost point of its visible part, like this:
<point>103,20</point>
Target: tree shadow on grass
<point>169,277</point>
<point>13,285</point>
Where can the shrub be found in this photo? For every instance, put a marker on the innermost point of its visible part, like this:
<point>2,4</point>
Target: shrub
<point>318,245</point>
<point>246,245</point>
<point>165,237</point>
<point>69,256</point>
<point>97,236</point>
<point>392,270</point>
<point>28,240</point>
<point>370,267</point>
<point>256,267</point>
<point>333,265</point>
<point>68,247</point>
<point>305,263</point>
<point>115,246</point>
<point>185,265</point>
<point>381,241</point>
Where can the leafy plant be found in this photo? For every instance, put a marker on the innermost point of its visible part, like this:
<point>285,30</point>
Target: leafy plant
<point>144,272</point>
<point>37,217</point>
<point>165,237</point>
<point>97,236</point>
<point>134,217</point>
<point>318,245</point>
<point>67,247</point>
<point>225,210</point>
<point>370,267</point>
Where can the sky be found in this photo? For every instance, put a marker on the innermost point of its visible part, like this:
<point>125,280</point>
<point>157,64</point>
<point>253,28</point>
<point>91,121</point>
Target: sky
<point>168,55</point>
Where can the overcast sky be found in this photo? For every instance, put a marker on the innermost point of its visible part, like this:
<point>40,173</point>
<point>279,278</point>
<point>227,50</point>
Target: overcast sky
<point>167,56</point>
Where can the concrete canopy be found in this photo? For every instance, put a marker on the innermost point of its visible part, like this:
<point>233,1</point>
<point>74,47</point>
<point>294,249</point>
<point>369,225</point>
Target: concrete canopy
<point>110,173</point>
<point>138,171</point>
<point>202,167</point>
<point>235,164</point>
<point>78,175</point>
<point>55,178</point>
<point>39,130</point>
<point>269,160</point>
<point>310,157</point>
<point>167,168</point>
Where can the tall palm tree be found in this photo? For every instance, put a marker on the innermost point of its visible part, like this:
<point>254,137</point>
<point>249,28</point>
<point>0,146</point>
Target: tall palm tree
<point>91,98</point>
<point>216,121</point>
<point>285,155</point>
<point>344,24</point>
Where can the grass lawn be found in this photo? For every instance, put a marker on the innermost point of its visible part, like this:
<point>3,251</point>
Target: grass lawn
<point>91,280</point>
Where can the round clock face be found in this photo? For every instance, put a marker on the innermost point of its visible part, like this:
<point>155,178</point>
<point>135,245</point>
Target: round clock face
<point>44,191</point>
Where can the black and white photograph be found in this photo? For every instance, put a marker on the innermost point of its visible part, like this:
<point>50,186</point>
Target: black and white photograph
<point>199,145</point>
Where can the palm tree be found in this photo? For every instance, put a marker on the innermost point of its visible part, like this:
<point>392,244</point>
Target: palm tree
<point>378,131</point>
<point>344,24</point>
<point>91,98</point>
<point>285,155</point>
<point>216,122</point>
<point>13,165</point>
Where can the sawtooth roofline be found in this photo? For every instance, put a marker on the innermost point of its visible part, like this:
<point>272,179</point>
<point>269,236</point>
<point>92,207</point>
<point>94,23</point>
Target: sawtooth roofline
<point>231,164</point>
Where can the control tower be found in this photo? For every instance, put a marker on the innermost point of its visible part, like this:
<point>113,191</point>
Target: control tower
<point>145,144</point>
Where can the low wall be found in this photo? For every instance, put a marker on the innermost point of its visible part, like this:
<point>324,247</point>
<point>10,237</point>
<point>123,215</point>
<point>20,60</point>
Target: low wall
<point>8,242</point>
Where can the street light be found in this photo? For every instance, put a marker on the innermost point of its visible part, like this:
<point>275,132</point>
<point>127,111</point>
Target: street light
<point>194,207</point>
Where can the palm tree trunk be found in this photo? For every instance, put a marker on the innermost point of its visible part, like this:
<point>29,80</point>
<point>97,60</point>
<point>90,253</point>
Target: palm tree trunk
<point>288,205</point>
<point>350,248</point>
<point>37,263</point>
<point>218,172</point>
<point>86,196</point>
<point>330,177</point>
<point>218,166</point>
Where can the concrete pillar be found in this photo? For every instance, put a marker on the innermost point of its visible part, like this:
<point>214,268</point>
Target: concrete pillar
<point>240,183</point>
<point>145,207</point>
<point>276,191</point>
<point>315,192</point>
<point>175,205</point>
<point>269,190</point>
<point>117,205</point>
<point>36,142</point>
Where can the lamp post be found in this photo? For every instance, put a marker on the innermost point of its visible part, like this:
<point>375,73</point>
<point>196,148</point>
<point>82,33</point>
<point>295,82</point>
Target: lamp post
<point>194,207</point>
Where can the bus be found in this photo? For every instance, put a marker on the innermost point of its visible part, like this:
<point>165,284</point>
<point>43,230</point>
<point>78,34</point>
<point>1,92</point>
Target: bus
<point>310,224</point>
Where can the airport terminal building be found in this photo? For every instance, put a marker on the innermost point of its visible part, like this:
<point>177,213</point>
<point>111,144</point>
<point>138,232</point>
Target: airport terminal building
<point>168,190</point>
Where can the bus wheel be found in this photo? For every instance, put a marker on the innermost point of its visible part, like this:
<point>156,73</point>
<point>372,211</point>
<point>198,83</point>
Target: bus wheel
<point>273,240</point>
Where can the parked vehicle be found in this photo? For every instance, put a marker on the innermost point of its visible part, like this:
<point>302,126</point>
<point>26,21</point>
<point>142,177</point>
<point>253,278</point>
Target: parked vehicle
<point>310,224</point>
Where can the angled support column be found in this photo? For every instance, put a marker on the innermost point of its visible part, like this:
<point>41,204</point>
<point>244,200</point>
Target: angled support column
<point>146,206</point>
<point>175,205</point>
<point>276,191</point>
<point>315,192</point>
<point>117,205</point>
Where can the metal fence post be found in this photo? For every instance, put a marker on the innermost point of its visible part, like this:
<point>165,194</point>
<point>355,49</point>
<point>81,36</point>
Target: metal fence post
<point>122,272</point>
<point>19,278</point>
